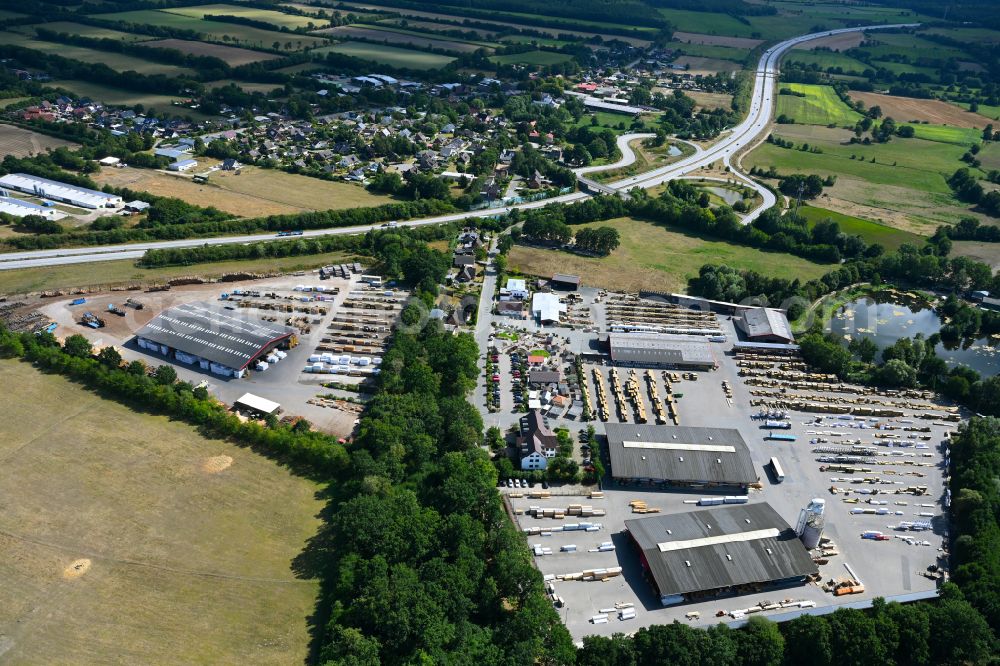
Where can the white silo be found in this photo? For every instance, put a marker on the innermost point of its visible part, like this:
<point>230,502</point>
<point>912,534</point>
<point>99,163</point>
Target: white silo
<point>811,522</point>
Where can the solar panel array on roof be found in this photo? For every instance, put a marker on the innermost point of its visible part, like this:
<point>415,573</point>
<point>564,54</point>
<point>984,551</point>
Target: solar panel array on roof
<point>677,454</point>
<point>717,548</point>
<point>210,332</point>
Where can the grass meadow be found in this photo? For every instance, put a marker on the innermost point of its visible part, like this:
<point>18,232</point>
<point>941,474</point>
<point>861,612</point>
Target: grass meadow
<point>130,538</point>
<point>656,257</point>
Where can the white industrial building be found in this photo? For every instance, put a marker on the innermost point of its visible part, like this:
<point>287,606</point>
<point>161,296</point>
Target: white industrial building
<point>51,189</point>
<point>546,308</point>
<point>18,208</point>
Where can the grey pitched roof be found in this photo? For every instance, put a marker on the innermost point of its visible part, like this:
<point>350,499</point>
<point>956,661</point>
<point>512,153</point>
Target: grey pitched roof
<point>765,321</point>
<point>679,454</point>
<point>720,547</point>
<point>227,337</point>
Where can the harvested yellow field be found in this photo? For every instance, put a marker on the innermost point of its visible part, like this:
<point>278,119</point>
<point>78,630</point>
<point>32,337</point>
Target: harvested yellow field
<point>253,193</point>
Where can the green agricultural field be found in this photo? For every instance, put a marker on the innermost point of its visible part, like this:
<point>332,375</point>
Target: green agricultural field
<point>540,58</point>
<point>918,163</point>
<point>707,23</point>
<point>711,51</point>
<point>872,232</point>
<point>826,59</point>
<point>216,31</point>
<point>10,16</point>
<point>128,537</point>
<point>904,68</point>
<point>428,34</point>
<point>911,46</point>
<point>82,30</point>
<point>656,257</point>
<point>963,136</point>
<point>820,106</point>
<point>984,109</point>
<point>538,41</point>
<point>278,19</point>
<point>905,187</point>
<point>120,62</point>
<point>388,55</point>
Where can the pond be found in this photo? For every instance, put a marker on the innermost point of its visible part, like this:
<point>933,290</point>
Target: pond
<point>727,195</point>
<point>889,321</point>
<point>674,151</point>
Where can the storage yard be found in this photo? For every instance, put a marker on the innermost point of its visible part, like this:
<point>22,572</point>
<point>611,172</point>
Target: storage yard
<point>842,486</point>
<point>280,339</point>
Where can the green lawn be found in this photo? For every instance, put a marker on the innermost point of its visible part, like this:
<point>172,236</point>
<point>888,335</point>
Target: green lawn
<point>238,35</point>
<point>82,30</point>
<point>531,58</point>
<point>120,62</point>
<point>656,257</point>
<point>820,106</point>
<point>826,59</point>
<point>872,232</point>
<point>388,55</point>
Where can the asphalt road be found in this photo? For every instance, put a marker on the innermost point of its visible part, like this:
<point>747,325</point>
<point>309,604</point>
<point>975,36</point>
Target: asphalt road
<point>739,137</point>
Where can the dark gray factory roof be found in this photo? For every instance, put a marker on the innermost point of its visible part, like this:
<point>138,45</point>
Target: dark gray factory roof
<point>660,347</point>
<point>679,454</point>
<point>716,548</point>
<point>227,337</point>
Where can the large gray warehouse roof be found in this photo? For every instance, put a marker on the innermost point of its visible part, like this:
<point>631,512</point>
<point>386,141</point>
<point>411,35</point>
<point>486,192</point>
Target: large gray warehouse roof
<point>660,348</point>
<point>720,547</point>
<point>227,337</point>
<point>679,454</point>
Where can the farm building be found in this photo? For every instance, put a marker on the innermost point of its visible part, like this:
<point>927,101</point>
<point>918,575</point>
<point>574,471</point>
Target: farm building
<point>721,550</point>
<point>661,349</point>
<point>679,456</point>
<point>563,281</point>
<point>51,189</point>
<point>221,341</point>
<point>546,308</point>
<point>765,325</point>
<point>19,208</point>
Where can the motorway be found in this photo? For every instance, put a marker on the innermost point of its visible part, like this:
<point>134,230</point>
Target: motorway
<point>738,138</point>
